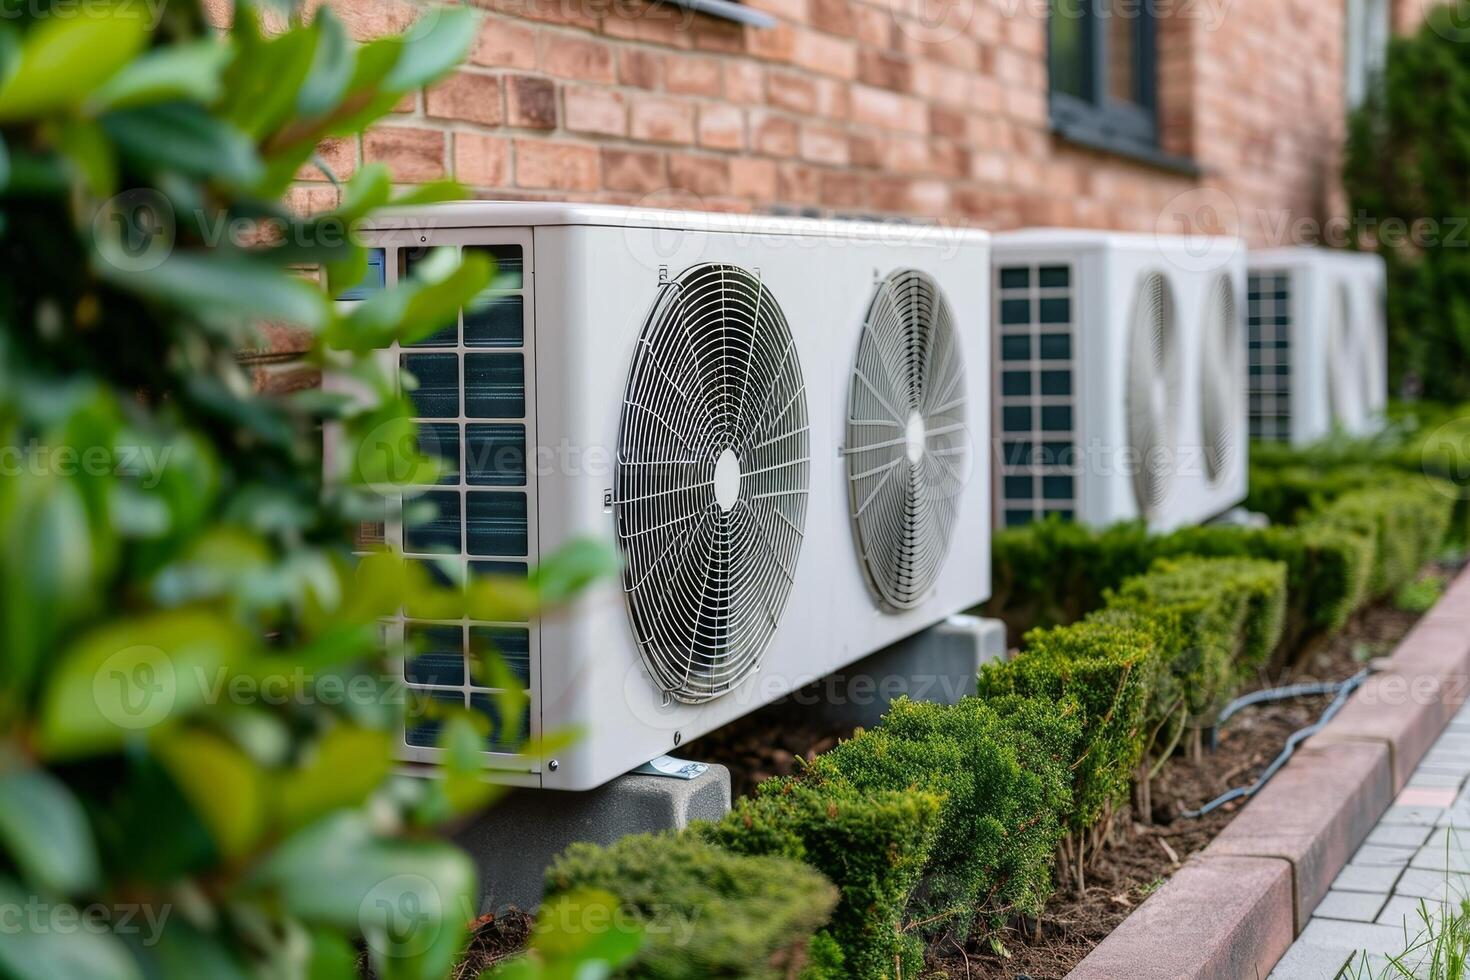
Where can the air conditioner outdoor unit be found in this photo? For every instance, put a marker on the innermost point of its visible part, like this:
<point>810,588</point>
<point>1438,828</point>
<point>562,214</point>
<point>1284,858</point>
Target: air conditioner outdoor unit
<point>779,423</point>
<point>1318,343</point>
<point>1120,377</point>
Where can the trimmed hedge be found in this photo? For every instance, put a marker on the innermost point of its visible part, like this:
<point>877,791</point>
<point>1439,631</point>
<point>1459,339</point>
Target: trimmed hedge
<point>873,846</point>
<point>1003,785</point>
<point>703,911</point>
<point>1104,669</point>
<point>1405,524</point>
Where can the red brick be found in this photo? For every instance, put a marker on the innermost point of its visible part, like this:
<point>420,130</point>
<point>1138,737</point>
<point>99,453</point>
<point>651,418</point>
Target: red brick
<point>339,153</point>
<point>504,44</point>
<point>824,54</point>
<point>791,90</point>
<point>877,107</point>
<point>639,68</point>
<point>744,81</point>
<point>662,23</point>
<point>884,69</point>
<point>633,170</point>
<point>702,175</point>
<point>466,96</point>
<point>692,74</point>
<point>751,177</point>
<point>560,166</point>
<point>369,19</point>
<point>823,144</point>
<point>798,182</point>
<point>832,16</point>
<point>530,102</point>
<point>1314,813</point>
<point>844,190</point>
<point>574,57</point>
<point>595,110</point>
<point>663,120</point>
<point>721,127</point>
<point>410,154</point>
<point>774,135</point>
<point>285,378</point>
<point>481,161</point>
<point>1217,918</point>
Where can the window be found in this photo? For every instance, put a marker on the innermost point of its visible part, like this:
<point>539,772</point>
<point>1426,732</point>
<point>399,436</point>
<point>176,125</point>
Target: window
<point>1102,73</point>
<point>1367,48</point>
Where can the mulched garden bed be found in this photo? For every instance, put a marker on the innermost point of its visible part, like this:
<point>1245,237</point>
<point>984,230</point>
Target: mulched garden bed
<point>1136,863</point>
<point>1140,857</point>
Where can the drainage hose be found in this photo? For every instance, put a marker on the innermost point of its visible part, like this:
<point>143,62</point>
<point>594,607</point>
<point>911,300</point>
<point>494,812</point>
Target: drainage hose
<point>1343,690</point>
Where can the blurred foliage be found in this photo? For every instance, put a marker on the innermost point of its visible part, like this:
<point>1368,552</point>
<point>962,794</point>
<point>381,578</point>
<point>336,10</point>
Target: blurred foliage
<point>703,911</point>
<point>196,708</point>
<point>1420,595</point>
<point>1407,175</point>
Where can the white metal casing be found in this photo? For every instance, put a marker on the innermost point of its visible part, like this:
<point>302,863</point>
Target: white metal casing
<point>1105,270</point>
<point>592,274</point>
<point>1301,354</point>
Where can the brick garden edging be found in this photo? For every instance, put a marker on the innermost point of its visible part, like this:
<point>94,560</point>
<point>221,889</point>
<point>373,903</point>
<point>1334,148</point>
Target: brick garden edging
<point>1233,910</point>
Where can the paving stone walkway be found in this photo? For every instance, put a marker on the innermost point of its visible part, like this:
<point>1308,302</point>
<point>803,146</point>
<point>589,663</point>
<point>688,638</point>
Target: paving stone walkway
<point>1418,853</point>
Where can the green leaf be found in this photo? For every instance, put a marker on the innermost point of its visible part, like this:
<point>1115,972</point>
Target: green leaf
<point>264,79</point>
<point>571,568</point>
<point>223,784</point>
<point>184,138</point>
<point>133,675</point>
<point>45,832</point>
<point>438,41</point>
<point>63,59</point>
<point>409,899</point>
<point>45,954</point>
<point>331,66</point>
<point>332,957</point>
<point>47,570</point>
<point>85,144</point>
<point>188,71</point>
<point>232,285</point>
<point>343,769</point>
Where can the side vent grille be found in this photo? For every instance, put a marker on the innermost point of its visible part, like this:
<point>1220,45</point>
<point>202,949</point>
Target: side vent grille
<point>1220,356</point>
<point>1035,401</point>
<point>1268,331</point>
<point>712,477</point>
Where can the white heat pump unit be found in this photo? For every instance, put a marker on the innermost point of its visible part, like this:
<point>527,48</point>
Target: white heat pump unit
<point>1120,377</point>
<point>779,423</point>
<point>1318,343</point>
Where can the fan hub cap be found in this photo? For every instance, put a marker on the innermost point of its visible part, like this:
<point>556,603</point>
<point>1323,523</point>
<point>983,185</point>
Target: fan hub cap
<point>727,480</point>
<point>914,437</point>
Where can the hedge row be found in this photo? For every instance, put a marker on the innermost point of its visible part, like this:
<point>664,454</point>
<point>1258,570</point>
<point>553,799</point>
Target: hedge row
<point>1358,538</point>
<point>943,818</point>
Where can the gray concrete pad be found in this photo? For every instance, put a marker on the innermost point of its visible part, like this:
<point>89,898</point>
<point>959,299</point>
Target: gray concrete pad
<point>1352,906</point>
<point>1399,835</point>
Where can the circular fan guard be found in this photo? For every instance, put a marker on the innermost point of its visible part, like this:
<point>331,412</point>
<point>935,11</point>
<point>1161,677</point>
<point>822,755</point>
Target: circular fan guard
<point>1154,391</point>
<point>907,442</point>
<point>712,477</point>
<point>1221,348</point>
<point>1347,392</point>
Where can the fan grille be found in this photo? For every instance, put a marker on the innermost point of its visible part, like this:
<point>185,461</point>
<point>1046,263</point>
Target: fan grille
<point>1345,392</point>
<point>1220,358</point>
<point>1154,389</point>
<point>712,477</point>
<point>907,441</point>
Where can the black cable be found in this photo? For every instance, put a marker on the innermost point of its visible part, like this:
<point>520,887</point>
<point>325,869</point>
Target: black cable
<point>1343,690</point>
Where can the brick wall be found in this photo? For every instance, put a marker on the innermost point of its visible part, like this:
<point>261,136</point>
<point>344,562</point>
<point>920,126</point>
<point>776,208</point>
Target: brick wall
<point>854,107</point>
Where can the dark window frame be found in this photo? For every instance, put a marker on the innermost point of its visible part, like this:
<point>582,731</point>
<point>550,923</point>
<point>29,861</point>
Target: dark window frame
<point>1092,117</point>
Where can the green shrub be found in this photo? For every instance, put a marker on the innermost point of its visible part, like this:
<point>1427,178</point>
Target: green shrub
<point>1104,669</point>
<point>1405,168</point>
<point>1404,522</point>
<point>1002,788</point>
<point>1219,613</point>
<point>1051,572</point>
<point>703,911</point>
<point>874,846</point>
<point>1419,596</point>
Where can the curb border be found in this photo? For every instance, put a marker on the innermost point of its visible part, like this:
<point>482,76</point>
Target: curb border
<point>1234,909</point>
